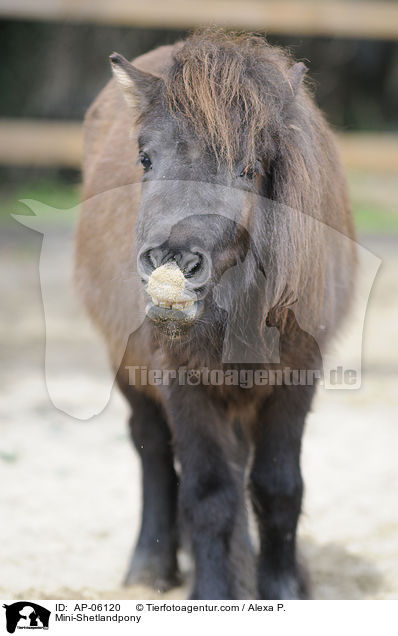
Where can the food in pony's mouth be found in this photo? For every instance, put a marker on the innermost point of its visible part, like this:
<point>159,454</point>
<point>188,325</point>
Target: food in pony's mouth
<point>166,286</point>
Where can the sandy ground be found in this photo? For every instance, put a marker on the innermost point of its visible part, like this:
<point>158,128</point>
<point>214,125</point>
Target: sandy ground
<point>70,490</point>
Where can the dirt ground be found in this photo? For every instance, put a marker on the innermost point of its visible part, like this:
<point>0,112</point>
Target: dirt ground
<point>70,489</point>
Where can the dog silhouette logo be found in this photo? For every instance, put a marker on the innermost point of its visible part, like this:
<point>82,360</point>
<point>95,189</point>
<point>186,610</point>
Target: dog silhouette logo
<point>26,615</point>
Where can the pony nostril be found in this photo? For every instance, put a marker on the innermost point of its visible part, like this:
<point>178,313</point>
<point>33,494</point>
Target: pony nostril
<point>146,263</point>
<point>193,266</point>
<point>197,268</point>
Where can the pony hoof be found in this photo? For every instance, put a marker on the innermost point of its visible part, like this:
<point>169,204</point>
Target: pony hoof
<point>153,571</point>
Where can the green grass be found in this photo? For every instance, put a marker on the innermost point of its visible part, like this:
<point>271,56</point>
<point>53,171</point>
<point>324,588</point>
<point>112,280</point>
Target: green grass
<point>374,199</point>
<point>56,194</point>
<point>372,219</point>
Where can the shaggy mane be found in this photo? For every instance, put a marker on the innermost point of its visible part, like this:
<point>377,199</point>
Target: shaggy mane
<point>231,88</point>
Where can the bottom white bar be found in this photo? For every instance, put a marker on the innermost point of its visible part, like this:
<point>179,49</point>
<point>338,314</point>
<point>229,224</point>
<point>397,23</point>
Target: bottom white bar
<point>143,617</point>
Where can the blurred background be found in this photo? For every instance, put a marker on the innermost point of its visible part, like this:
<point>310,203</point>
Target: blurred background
<point>72,495</point>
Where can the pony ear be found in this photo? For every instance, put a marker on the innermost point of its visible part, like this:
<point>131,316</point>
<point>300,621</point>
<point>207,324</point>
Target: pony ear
<point>295,76</point>
<point>139,88</point>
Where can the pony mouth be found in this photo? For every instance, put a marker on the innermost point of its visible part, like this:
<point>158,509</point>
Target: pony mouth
<point>172,299</point>
<point>182,305</point>
<point>183,312</point>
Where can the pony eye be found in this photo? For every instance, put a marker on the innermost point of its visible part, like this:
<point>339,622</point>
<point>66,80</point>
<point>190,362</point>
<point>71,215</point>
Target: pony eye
<point>145,161</point>
<point>248,172</point>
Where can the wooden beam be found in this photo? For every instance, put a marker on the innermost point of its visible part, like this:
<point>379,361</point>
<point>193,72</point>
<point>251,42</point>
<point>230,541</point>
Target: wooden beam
<point>365,19</point>
<point>370,152</point>
<point>46,143</point>
<point>40,142</point>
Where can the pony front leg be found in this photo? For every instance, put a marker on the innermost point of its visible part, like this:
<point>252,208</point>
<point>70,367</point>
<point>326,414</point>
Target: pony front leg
<point>277,489</point>
<point>210,498</point>
<point>154,561</point>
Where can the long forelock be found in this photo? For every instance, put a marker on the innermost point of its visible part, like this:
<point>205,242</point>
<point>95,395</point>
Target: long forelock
<point>231,89</point>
